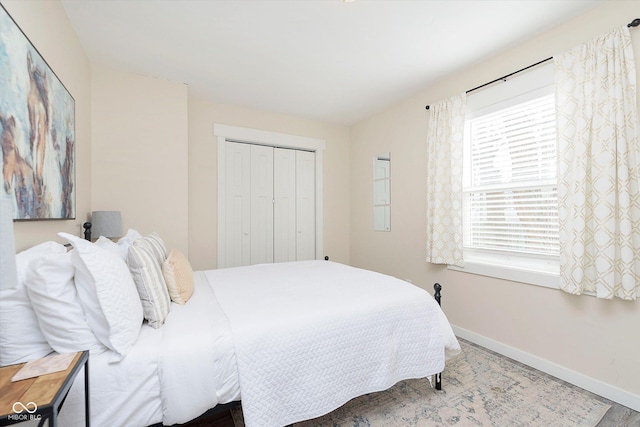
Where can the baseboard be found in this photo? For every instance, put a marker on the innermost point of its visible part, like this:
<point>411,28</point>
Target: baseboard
<point>593,385</point>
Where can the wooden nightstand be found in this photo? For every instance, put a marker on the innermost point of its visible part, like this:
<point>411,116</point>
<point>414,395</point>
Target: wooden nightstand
<point>40,398</point>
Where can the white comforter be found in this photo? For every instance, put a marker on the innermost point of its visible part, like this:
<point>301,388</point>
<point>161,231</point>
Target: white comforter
<point>197,368</point>
<point>171,375</point>
<point>309,336</point>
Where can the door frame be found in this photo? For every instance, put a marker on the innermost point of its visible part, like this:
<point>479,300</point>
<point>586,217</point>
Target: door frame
<point>226,133</point>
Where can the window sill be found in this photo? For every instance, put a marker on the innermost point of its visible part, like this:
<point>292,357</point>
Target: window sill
<point>546,276</point>
<point>527,271</point>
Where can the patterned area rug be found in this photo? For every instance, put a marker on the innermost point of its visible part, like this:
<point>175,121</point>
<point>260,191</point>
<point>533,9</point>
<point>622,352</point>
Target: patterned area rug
<point>479,389</point>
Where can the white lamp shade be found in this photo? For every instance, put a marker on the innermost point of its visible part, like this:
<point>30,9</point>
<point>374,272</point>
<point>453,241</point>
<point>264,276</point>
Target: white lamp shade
<point>106,223</point>
<point>8,270</point>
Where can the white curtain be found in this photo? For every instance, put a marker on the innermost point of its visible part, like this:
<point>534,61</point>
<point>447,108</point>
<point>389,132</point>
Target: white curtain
<point>445,139</point>
<point>598,167</point>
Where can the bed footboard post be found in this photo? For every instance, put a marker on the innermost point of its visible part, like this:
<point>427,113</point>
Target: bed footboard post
<point>437,287</point>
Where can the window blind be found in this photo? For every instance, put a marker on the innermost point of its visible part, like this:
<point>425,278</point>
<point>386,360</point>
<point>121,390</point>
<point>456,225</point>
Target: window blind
<point>510,195</point>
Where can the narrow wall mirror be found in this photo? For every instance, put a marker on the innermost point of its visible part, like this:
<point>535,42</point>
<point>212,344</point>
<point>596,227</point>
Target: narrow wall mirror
<point>382,192</point>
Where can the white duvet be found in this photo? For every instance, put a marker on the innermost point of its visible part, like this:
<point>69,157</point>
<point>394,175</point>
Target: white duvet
<point>171,375</point>
<point>299,339</point>
<point>309,336</point>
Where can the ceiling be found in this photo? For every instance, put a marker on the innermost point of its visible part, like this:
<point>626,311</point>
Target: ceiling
<point>328,60</point>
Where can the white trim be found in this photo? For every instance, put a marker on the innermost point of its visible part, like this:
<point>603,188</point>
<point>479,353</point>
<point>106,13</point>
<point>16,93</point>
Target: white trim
<point>537,272</point>
<point>263,137</point>
<point>222,196</point>
<point>593,385</point>
<point>225,133</point>
<point>541,271</point>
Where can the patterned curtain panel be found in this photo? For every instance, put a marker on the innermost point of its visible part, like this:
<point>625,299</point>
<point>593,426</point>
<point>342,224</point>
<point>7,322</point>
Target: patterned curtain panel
<point>598,167</point>
<point>445,139</point>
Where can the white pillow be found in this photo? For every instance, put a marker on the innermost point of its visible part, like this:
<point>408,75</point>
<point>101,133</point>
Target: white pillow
<point>24,258</point>
<point>127,240</point>
<point>21,339</point>
<point>55,301</point>
<point>107,294</point>
<point>109,245</point>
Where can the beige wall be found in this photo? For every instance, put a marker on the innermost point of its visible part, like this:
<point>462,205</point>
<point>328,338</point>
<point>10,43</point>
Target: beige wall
<point>47,26</point>
<point>203,175</point>
<point>140,153</point>
<point>592,337</point>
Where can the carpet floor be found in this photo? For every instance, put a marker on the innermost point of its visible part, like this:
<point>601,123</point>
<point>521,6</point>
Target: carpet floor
<point>479,389</point>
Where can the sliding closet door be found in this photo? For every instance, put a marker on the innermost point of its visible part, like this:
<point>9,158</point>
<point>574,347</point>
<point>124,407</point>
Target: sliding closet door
<point>261,204</point>
<point>237,204</point>
<point>305,205</point>
<point>284,215</point>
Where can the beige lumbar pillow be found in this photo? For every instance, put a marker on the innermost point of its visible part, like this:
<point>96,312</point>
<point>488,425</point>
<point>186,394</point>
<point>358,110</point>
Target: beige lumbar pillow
<point>179,277</point>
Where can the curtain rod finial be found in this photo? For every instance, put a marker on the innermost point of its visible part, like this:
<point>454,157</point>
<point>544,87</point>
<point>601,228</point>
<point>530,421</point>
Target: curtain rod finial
<point>426,108</point>
<point>634,23</point>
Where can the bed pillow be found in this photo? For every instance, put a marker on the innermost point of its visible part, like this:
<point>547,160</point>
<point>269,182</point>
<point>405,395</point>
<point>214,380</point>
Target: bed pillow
<point>147,275</point>
<point>179,277</point>
<point>109,245</point>
<point>53,295</point>
<point>155,245</point>
<point>107,294</point>
<point>26,257</point>
<point>127,240</point>
<point>21,339</point>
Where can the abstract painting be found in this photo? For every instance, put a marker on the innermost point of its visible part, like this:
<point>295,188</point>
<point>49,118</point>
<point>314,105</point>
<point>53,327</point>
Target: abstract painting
<point>37,131</point>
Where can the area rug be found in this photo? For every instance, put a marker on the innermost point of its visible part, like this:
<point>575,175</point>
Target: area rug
<point>480,388</point>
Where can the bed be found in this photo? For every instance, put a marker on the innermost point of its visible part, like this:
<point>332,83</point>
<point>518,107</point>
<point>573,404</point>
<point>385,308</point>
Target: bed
<point>292,341</point>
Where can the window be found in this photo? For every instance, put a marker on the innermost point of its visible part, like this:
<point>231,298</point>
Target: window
<point>510,195</point>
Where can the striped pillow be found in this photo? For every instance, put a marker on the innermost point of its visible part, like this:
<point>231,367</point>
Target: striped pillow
<point>146,270</point>
<point>155,245</point>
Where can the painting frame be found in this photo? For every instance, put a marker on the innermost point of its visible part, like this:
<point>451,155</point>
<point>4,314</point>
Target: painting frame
<point>37,131</point>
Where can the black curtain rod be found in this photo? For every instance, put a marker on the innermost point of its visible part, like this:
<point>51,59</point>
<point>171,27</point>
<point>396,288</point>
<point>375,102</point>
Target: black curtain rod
<point>633,23</point>
<point>504,78</point>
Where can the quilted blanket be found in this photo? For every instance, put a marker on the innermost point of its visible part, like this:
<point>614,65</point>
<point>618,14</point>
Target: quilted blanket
<point>309,336</point>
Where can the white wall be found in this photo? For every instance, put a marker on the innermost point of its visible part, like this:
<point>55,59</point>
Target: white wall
<point>203,174</point>
<point>139,158</point>
<point>155,159</point>
<point>47,27</point>
<point>592,338</point>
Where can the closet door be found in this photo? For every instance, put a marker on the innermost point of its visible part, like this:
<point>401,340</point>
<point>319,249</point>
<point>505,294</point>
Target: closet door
<point>261,204</point>
<point>269,205</point>
<point>284,215</point>
<point>305,206</point>
<point>237,204</point>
